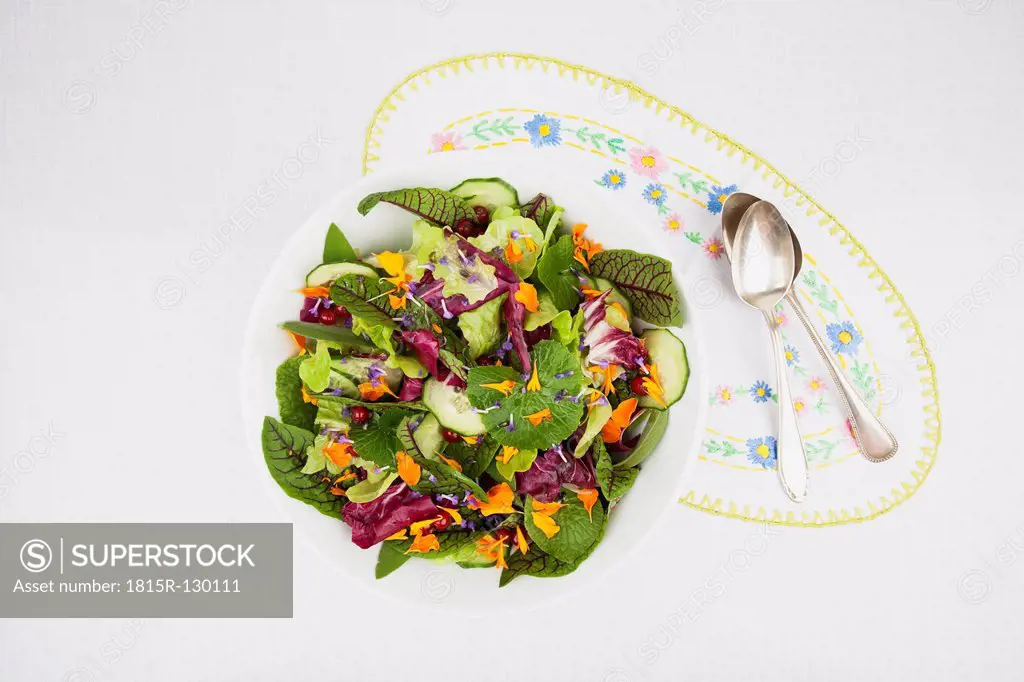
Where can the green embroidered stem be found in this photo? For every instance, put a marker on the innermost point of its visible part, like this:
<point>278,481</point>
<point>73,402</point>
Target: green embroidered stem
<point>694,237</point>
<point>820,449</point>
<point>819,292</point>
<point>721,447</point>
<point>863,380</point>
<point>499,127</point>
<point>686,180</point>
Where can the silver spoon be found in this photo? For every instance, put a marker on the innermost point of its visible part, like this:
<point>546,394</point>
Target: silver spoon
<point>763,263</point>
<point>875,441</point>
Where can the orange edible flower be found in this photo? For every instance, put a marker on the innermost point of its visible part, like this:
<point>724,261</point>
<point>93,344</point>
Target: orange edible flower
<point>542,513</point>
<point>450,462</point>
<point>437,328</point>
<point>307,398</point>
<point>588,496</point>
<point>408,470</point>
<point>622,415</point>
<point>339,453</point>
<point>300,341</point>
<point>371,391</point>
<point>521,542</point>
<point>609,373</point>
<point>492,549</point>
<point>472,439</point>
<point>534,383</point>
<point>507,453</point>
<point>537,417</point>
<point>584,248</point>
<point>418,527</point>
<point>400,535</point>
<point>316,292</point>
<point>653,385</point>
<point>499,501</point>
<point>505,387</point>
<point>422,544</point>
<point>513,254</point>
<point>590,293</point>
<point>527,295</point>
<point>394,264</point>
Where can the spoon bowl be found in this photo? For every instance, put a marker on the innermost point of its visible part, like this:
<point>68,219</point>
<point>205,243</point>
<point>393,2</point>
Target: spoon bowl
<point>763,257</point>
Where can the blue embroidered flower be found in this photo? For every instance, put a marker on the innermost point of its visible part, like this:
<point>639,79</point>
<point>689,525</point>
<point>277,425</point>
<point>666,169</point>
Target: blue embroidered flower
<point>763,451</point>
<point>717,196</point>
<point>544,131</point>
<point>655,194</point>
<point>792,356</point>
<point>761,392</point>
<point>844,336</point>
<point>613,179</point>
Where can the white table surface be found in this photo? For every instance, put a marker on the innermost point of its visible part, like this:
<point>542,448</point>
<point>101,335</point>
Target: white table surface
<point>107,179</point>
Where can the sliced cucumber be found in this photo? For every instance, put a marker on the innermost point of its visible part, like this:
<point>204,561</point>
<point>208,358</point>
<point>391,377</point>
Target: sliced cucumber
<point>322,275</point>
<point>428,438</point>
<point>489,192</point>
<point>669,354</point>
<point>452,408</point>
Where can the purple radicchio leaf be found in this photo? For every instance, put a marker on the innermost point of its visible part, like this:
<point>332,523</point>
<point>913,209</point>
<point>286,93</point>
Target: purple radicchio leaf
<point>397,508</point>
<point>552,470</point>
<point>412,389</point>
<point>608,345</point>
<point>426,346</point>
<point>515,313</point>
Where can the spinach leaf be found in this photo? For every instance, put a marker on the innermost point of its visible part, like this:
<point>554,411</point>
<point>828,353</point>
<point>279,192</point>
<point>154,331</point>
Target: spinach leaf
<point>284,451</point>
<point>389,559</point>
<point>645,280</point>
<point>614,482</point>
<point>437,478</point>
<point>577,534</point>
<point>554,270</point>
<point>288,388</point>
<point>336,247</point>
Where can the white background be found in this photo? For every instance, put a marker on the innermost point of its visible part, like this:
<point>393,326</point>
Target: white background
<point>107,179</point>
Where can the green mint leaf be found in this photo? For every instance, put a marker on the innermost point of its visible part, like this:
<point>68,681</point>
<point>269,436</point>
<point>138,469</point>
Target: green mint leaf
<point>614,483</point>
<point>434,205</point>
<point>578,532</point>
<point>653,431</point>
<point>554,272</point>
<point>332,333</point>
<point>284,451</point>
<point>365,298</point>
<point>559,375</point>
<point>645,280</point>
<point>378,441</point>
<point>288,388</point>
<point>389,559</point>
<point>336,247</point>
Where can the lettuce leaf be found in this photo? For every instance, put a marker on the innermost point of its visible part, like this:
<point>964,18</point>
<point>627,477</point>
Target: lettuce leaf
<point>315,370</point>
<point>580,530</point>
<point>482,327</point>
<point>555,272</point>
<point>505,224</point>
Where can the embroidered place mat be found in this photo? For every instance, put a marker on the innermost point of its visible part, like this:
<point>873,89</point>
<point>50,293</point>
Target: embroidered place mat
<point>673,173</point>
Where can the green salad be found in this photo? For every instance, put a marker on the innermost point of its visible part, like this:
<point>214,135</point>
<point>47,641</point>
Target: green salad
<point>483,394</point>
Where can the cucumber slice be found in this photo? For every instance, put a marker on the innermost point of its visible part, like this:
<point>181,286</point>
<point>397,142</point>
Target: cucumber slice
<point>489,192</point>
<point>452,408</point>
<point>428,438</point>
<point>669,354</point>
<point>322,275</point>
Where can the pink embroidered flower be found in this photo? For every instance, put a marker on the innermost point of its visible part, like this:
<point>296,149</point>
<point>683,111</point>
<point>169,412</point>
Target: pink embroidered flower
<point>800,405</point>
<point>446,141</point>
<point>714,248</point>
<point>647,162</point>
<point>673,223</point>
<point>816,384</point>
<point>724,395</point>
<point>781,318</point>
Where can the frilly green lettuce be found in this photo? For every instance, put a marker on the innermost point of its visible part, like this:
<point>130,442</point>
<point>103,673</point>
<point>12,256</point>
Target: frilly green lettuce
<point>529,238</point>
<point>482,327</point>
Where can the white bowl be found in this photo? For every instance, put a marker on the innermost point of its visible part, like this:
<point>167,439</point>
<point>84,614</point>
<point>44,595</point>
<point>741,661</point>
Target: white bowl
<point>429,583</point>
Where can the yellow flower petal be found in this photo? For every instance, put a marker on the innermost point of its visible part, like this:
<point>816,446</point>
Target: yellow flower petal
<point>397,302</point>
<point>472,440</point>
<point>507,452</point>
<point>534,383</point>
<point>492,549</point>
<point>316,292</point>
<point>499,501</point>
<point>521,542</point>
<point>418,527</point>
<point>400,535</point>
<point>408,470</point>
<point>450,462</point>
<point>454,513</point>
<point>546,524</point>
<point>393,263</point>
<point>505,387</point>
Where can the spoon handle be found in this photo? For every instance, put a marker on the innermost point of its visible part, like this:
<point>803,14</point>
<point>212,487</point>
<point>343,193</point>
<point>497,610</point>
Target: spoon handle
<point>792,460</point>
<point>875,441</point>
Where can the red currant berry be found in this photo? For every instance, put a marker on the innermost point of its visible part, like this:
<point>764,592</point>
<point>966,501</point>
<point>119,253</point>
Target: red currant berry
<point>465,228</point>
<point>442,522</point>
<point>450,435</point>
<point>328,316</point>
<point>504,534</point>
<point>359,414</point>
<point>482,214</point>
<point>637,385</point>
